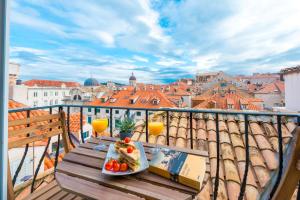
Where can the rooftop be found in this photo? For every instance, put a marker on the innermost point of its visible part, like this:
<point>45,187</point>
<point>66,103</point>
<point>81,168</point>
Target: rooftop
<point>289,70</point>
<point>263,142</point>
<point>50,83</point>
<point>142,98</point>
<point>274,87</point>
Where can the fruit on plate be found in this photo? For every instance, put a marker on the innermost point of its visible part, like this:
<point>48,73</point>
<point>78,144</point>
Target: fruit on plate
<point>127,140</point>
<point>116,167</point>
<point>130,149</point>
<point>124,167</point>
<point>109,165</point>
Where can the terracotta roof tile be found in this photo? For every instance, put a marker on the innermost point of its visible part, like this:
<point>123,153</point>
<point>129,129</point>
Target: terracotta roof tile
<point>50,83</point>
<point>263,142</point>
<point>275,87</point>
<point>145,100</point>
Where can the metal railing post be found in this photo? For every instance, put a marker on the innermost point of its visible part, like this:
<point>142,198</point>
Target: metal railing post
<point>95,113</point>
<point>111,122</point>
<point>147,139</point>
<point>191,129</point>
<point>216,186</point>
<point>244,182</point>
<point>280,145</point>
<point>168,128</point>
<point>81,124</point>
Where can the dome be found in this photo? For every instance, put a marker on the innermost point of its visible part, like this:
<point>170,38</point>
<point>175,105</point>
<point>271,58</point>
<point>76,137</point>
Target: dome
<point>91,82</point>
<point>132,77</point>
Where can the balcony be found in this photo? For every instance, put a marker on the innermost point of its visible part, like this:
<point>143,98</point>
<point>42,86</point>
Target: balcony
<point>245,151</point>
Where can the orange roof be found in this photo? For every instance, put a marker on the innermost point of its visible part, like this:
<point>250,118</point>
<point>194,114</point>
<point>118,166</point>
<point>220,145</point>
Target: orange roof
<point>275,87</point>
<point>235,99</point>
<point>144,101</point>
<point>50,83</point>
<point>263,142</point>
<point>75,122</point>
<point>49,162</point>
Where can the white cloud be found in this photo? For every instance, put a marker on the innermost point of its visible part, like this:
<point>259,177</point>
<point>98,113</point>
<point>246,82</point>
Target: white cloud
<point>206,62</point>
<point>140,58</point>
<point>169,62</point>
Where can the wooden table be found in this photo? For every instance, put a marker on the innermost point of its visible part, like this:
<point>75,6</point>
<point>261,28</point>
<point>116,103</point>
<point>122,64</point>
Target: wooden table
<point>80,173</point>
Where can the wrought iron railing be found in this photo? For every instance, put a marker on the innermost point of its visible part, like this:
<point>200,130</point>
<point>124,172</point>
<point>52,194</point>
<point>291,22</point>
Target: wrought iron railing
<point>246,115</point>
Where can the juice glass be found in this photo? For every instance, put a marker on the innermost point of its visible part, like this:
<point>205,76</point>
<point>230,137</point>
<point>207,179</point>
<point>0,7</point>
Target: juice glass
<point>100,125</point>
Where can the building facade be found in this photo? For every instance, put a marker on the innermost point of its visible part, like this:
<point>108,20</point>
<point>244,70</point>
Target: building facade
<point>292,82</point>
<point>36,93</point>
<point>272,94</point>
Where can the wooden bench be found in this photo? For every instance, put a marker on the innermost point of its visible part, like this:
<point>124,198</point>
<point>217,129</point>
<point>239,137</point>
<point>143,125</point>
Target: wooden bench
<point>22,132</point>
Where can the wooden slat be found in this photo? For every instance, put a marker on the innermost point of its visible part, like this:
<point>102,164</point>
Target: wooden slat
<point>96,162</point>
<point>39,127</point>
<point>70,196</point>
<point>50,193</point>
<point>35,119</point>
<point>41,191</point>
<point>91,190</point>
<point>137,187</point>
<point>60,195</point>
<point>23,141</point>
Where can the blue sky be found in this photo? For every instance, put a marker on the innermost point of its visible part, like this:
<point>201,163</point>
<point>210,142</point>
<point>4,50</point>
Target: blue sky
<point>159,40</point>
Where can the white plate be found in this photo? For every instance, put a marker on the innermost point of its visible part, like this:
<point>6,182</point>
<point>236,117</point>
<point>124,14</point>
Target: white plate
<point>111,153</point>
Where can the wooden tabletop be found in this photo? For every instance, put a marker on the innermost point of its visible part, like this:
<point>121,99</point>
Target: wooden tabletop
<point>80,173</point>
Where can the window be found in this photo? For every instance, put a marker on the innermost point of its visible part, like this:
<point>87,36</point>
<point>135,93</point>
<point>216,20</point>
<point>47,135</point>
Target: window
<point>97,110</point>
<point>89,109</point>
<point>86,134</point>
<point>35,104</point>
<point>117,123</point>
<point>56,93</point>
<point>45,94</point>
<point>116,111</point>
<point>35,94</point>
<point>56,101</point>
<point>89,120</point>
<point>138,113</point>
<point>107,111</point>
<point>244,106</point>
<point>51,102</point>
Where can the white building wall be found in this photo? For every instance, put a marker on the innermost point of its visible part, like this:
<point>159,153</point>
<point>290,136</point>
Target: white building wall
<point>292,91</point>
<point>270,100</point>
<point>32,159</point>
<point>38,96</point>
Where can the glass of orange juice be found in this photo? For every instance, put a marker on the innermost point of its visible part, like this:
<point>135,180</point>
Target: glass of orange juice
<point>100,125</point>
<point>155,127</point>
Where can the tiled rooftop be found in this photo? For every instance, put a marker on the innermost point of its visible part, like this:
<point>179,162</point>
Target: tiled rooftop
<point>263,142</point>
<point>50,83</point>
<point>275,87</point>
<point>220,101</point>
<point>143,99</point>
